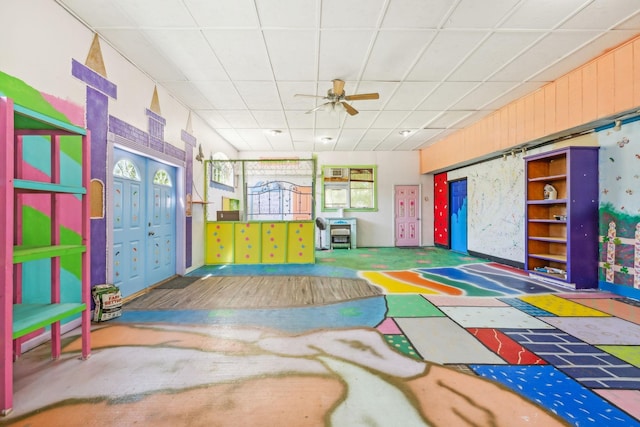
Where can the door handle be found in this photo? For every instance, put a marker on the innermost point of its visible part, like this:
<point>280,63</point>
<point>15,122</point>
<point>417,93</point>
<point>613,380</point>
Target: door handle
<point>151,233</point>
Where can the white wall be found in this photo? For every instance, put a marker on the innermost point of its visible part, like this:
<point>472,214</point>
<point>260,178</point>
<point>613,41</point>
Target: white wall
<point>39,40</point>
<point>375,229</point>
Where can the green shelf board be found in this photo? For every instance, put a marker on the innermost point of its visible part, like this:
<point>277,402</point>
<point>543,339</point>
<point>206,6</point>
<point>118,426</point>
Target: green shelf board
<point>31,317</point>
<point>32,253</point>
<point>47,186</point>
<point>25,118</point>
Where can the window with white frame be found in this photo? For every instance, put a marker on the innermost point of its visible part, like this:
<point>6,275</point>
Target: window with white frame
<point>349,187</point>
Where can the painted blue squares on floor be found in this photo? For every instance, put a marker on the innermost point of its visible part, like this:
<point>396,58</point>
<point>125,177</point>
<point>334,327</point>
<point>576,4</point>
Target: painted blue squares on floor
<point>562,395</point>
<point>526,307</point>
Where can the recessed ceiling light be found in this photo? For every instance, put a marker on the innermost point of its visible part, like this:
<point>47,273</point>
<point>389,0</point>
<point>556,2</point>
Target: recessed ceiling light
<point>405,132</point>
<point>274,132</point>
<point>326,139</point>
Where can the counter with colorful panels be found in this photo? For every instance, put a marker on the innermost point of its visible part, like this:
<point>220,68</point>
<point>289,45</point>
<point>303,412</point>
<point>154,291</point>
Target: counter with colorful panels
<point>260,242</point>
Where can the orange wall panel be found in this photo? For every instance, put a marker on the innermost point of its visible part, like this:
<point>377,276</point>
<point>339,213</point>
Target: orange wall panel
<point>606,85</point>
<point>549,109</point>
<point>589,92</point>
<point>575,98</point>
<point>529,117</point>
<point>623,78</point>
<point>538,113</point>
<point>636,72</point>
<point>562,103</point>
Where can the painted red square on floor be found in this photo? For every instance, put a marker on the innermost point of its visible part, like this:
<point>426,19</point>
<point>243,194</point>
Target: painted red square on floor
<point>505,347</point>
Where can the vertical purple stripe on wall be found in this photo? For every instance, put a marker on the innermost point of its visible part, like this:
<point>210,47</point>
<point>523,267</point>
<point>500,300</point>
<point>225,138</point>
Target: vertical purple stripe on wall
<point>189,143</point>
<point>97,111</point>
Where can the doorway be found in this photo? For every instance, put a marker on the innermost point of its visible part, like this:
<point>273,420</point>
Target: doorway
<point>407,215</point>
<point>458,215</point>
<point>144,222</point>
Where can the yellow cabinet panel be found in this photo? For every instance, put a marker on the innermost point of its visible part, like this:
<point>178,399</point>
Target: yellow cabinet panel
<point>247,243</point>
<point>300,242</point>
<point>219,240</point>
<point>274,238</point>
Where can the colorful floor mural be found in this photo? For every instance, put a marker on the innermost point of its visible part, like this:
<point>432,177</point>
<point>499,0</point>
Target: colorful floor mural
<point>454,341</point>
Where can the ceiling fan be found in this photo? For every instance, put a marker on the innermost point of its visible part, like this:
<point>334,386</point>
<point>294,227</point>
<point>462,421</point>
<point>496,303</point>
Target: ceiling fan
<point>336,98</point>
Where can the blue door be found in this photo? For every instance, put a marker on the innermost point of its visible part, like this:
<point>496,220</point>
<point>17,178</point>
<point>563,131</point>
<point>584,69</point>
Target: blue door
<point>143,222</point>
<point>458,222</point>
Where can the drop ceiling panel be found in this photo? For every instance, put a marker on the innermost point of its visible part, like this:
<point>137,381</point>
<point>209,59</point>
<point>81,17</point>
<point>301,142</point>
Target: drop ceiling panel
<point>494,53</point>
<point>515,93</point>
<point>302,134</point>
<point>447,50</point>
<point>242,52</point>
<point>389,119</point>
<point>240,119</point>
<point>602,14</point>
<point>214,118</point>
<point>362,120</point>
<point>352,13</point>
<point>418,119</point>
<point>223,13</point>
<point>157,13</point>
<point>287,13</point>
<point>100,13</point>
<point>223,95</point>
<point>189,94</point>
<point>479,14</point>
<point>386,51</point>
<point>372,138</point>
<point>416,13</point>
<point>483,94</point>
<point>449,119</point>
<point>545,53</point>
<point>270,119</point>
<point>255,138</point>
<point>409,95</point>
<point>342,53</point>
<point>259,95</point>
<point>299,120</point>
<point>542,14</point>
<point>288,90</point>
<point>447,94</point>
<point>293,53</point>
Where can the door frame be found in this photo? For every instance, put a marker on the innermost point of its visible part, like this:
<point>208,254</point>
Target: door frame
<point>393,212</point>
<point>115,141</point>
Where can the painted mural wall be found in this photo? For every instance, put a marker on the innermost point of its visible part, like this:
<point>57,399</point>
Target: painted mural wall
<point>495,207</point>
<point>619,167</point>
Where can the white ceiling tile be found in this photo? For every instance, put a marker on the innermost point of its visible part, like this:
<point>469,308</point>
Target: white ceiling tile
<point>545,53</point>
<point>384,89</point>
<point>415,13</point>
<point>472,118</point>
<point>362,120</point>
<point>633,23</point>
<point>270,119</point>
<point>300,120</point>
<point>409,95</point>
<point>494,52</point>
<point>418,119</point>
<point>242,52</point>
<point>293,53</point>
<point>515,93</point>
<point>483,94</point>
<point>223,95</point>
<point>585,54</point>
<point>189,94</point>
<point>256,138</point>
<point>447,50</point>
<point>259,95</point>
<point>304,135</point>
<point>479,14</point>
<point>240,119</point>
<point>389,119</point>
<point>342,53</point>
<point>372,138</point>
<point>223,13</point>
<point>351,14</point>
<point>332,120</point>
<point>400,48</point>
<point>188,50</point>
<point>542,14</point>
<point>162,13</point>
<point>288,90</point>
<point>603,14</point>
<point>214,118</point>
<point>100,13</point>
<point>447,94</point>
<point>304,146</point>
<point>133,44</point>
<point>287,13</point>
<point>449,119</point>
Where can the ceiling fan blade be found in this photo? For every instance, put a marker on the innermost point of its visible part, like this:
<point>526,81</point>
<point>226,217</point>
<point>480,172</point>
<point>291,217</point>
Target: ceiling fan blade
<point>338,87</point>
<point>319,107</point>
<point>352,111</point>
<point>309,96</point>
<point>360,96</point>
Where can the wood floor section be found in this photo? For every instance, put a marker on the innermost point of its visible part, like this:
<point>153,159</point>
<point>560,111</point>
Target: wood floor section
<point>211,293</point>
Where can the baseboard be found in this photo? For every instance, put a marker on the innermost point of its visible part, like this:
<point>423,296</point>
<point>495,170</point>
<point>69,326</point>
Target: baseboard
<point>625,291</point>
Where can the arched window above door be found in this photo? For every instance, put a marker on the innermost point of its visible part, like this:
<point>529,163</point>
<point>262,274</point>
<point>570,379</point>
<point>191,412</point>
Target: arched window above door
<point>161,177</point>
<point>126,169</point>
